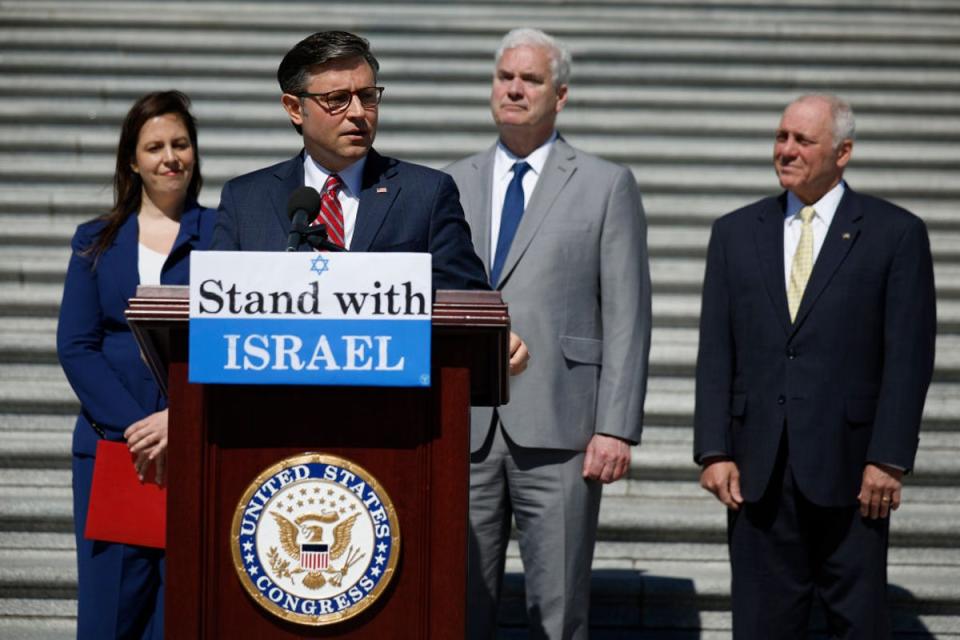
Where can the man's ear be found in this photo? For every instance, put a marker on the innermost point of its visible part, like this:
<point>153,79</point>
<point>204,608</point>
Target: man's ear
<point>844,152</point>
<point>561,97</point>
<point>293,106</point>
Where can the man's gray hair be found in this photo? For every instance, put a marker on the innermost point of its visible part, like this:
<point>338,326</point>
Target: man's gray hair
<point>844,127</point>
<point>560,58</point>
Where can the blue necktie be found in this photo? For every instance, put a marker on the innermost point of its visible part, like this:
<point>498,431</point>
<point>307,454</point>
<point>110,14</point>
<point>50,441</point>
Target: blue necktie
<point>509,220</point>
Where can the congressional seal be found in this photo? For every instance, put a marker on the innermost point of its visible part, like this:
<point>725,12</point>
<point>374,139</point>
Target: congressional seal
<point>315,539</point>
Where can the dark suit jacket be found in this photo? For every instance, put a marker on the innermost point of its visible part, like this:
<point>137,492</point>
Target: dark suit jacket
<point>96,348</point>
<point>403,207</point>
<point>848,379</point>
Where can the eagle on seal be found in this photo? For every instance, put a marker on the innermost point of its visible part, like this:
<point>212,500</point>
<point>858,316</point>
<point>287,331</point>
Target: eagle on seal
<point>305,530</point>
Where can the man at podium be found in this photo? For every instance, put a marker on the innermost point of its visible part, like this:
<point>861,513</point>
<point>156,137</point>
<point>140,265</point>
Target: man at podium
<point>369,202</point>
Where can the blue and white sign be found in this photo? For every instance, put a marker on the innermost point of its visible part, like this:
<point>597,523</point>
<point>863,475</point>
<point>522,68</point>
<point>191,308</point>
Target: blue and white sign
<point>310,318</point>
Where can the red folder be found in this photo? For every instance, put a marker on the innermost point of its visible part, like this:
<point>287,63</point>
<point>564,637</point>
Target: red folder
<point>123,509</point>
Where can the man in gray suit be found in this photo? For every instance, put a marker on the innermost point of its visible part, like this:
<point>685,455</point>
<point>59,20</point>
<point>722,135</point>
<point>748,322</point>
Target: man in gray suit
<point>563,237</point>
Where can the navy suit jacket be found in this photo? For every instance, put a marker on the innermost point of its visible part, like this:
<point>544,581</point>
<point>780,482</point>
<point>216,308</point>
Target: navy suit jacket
<point>96,347</point>
<point>403,207</point>
<point>848,379</point>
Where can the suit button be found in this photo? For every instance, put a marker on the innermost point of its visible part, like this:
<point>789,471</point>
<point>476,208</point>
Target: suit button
<point>781,400</point>
<point>791,353</point>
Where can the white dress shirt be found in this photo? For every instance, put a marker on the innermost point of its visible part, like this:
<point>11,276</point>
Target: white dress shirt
<point>503,161</point>
<point>149,264</point>
<point>825,209</point>
<point>314,175</point>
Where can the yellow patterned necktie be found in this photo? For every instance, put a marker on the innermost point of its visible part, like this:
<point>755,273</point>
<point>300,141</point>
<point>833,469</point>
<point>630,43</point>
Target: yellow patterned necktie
<point>802,263</point>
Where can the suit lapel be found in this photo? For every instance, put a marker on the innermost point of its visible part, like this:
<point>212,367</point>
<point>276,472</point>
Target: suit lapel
<point>558,169</point>
<point>189,231</point>
<point>123,258</point>
<point>289,177</point>
<point>841,236</point>
<point>378,192</point>
<point>479,212</point>
<point>769,240</point>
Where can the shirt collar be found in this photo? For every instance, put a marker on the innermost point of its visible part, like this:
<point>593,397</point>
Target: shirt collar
<point>351,176</point>
<point>825,207</point>
<point>504,159</point>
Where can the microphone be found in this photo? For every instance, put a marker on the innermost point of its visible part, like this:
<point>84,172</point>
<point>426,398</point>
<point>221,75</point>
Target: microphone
<point>302,207</point>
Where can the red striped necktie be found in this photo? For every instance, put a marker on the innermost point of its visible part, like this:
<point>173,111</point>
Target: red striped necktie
<point>331,214</point>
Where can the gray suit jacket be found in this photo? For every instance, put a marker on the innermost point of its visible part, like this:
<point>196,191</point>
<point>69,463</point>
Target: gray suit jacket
<point>577,282</point>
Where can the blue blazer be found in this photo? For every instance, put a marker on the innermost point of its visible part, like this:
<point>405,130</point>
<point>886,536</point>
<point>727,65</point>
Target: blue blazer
<point>848,379</point>
<point>96,347</point>
<point>403,207</point>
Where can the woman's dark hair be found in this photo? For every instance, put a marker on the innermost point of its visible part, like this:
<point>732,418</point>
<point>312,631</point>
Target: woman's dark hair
<point>127,185</point>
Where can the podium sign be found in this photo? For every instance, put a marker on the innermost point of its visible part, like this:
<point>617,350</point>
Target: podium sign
<point>360,319</point>
<point>395,450</point>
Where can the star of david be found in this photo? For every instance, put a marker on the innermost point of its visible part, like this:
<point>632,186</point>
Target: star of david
<point>319,264</point>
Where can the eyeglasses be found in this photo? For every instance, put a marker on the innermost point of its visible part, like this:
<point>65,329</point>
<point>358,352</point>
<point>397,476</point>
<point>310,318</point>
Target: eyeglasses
<point>337,101</point>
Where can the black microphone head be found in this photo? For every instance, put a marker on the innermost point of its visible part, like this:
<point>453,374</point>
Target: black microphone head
<point>304,199</point>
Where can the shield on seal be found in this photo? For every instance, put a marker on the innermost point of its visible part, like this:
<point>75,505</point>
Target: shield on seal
<point>314,556</point>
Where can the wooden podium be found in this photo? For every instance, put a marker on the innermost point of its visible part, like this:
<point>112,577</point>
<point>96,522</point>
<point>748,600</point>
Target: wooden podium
<point>415,441</point>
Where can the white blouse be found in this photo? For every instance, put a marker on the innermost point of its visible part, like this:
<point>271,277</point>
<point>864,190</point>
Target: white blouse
<point>150,264</point>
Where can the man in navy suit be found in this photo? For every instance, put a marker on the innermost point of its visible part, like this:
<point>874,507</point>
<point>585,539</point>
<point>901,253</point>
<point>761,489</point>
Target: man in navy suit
<point>816,349</point>
<point>330,95</point>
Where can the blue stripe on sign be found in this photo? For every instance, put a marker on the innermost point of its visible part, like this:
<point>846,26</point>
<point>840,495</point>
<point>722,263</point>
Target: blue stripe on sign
<point>323,352</point>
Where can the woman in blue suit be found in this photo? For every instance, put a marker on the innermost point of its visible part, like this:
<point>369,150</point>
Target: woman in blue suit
<point>145,239</point>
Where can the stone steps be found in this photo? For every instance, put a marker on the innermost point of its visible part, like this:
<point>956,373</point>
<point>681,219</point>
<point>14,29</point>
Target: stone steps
<point>50,202</point>
<point>669,309</point>
<point>677,254</point>
<point>93,151</point>
<point>686,94</point>
<point>26,168</point>
<point>720,100</point>
<point>673,352</point>
<point>42,388</point>
<point>886,20</point>
<point>473,117</point>
<point>719,47</point>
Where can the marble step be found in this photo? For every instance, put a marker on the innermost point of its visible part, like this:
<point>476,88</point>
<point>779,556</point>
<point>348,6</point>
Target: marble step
<point>386,45</point>
<point>675,588</point>
<point>172,64</point>
<point>670,402</point>
<point>702,518</point>
<point>24,205</point>
<point>33,254</point>
<point>673,351</point>
<point>37,423</point>
<point>125,88</point>
<point>637,510</point>
<point>35,451</point>
<point>42,388</point>
<point>39,181</point>
<point>22,234</point>
<point>93,147</point>
<point>36,509</point>
<point>187,14</point>
<point>705,121</point>
<point>669,309</point>
<point>683,310</point>
<point>808,22</point>
<point>35,462</point>
<point>38,618</point>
